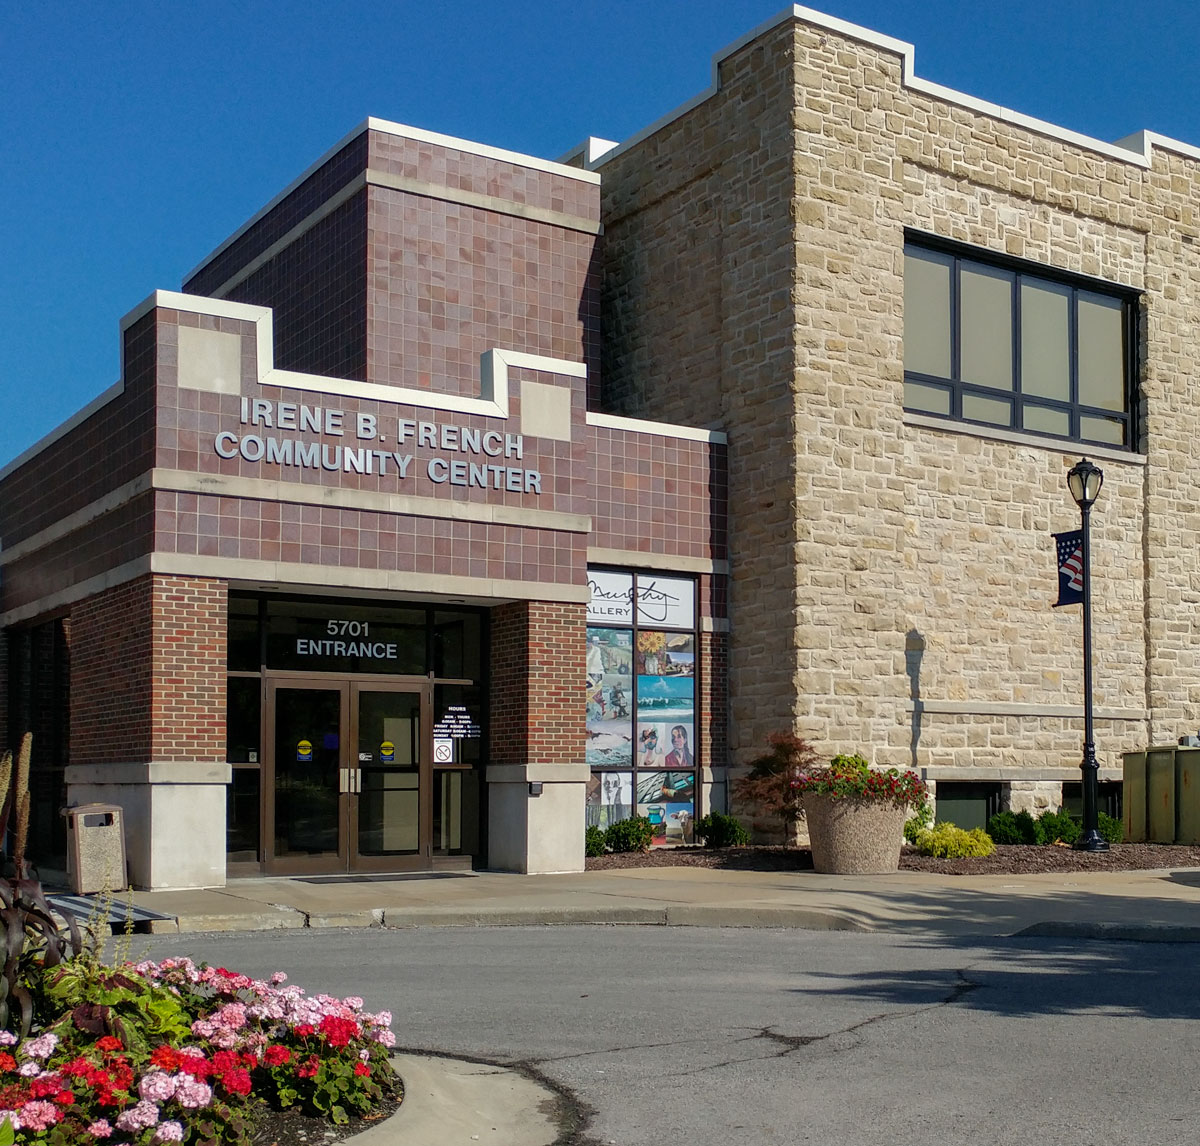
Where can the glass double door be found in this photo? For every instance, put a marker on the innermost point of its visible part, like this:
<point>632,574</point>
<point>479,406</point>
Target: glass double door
<point>349,776</point>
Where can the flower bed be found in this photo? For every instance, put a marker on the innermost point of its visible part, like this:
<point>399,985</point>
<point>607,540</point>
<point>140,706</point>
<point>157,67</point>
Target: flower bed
<point>174,1052</point>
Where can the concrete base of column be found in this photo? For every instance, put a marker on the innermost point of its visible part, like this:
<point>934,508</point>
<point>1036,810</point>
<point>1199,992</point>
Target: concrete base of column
<point>536,834</point>
<point>173,816</point>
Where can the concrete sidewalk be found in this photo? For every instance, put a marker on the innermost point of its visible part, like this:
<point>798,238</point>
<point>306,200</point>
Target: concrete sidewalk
<point>1145,905</point>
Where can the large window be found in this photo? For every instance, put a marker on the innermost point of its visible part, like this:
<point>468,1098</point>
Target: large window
<point>998,344</point>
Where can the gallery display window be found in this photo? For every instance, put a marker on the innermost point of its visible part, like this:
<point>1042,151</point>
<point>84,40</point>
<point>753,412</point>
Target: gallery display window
<point>355,734</point>
<point>641,686</point>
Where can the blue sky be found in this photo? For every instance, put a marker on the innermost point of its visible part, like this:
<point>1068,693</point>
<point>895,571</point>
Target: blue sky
<point>139,135</point>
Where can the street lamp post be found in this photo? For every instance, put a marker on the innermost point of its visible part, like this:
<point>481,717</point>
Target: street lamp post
<point>1084,481</point>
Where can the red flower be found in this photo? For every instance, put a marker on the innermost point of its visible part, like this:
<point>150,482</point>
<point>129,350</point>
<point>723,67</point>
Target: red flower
<point>338,1032</point>
<point>109,1043</point>
<point>309,1068</point>
<point>225,1060</point>
<point>46,1086</point>
<point>195,1064</point>
<point>304,1029</point>
<point>277,1056</point>
<point>362,1070</point>
<point>249,1060</point>
<point>236,1081</point>
<point>7,1062</point>
<point>166,1058</point>
<point>64,1098</point>
<point>76,1068</point>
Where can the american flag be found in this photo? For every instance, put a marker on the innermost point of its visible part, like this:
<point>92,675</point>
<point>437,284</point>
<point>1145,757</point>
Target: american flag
<point>1069,547</point>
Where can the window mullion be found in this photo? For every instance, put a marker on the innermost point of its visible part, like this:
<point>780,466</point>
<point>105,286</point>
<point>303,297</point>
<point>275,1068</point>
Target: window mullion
<point>1018,414</point>
<point>955,340</point>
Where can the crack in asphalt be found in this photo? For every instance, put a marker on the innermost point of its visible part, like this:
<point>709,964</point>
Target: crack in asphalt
<point>789,1044</point>
<point>574,1116</point>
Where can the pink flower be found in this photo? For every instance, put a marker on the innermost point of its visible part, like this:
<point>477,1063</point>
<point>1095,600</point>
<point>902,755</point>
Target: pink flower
<point>232,1016</point>
<point>39,1115</point>
<point>7,1038</point>
<point>193,1094</point>
<point>278,977</point>
<point>158,1086</point>
<point>138,1117</point>
<point>11,1117</point>
<point>41,1047</point>
<point>169,1132</point>
<point>384,1037</point>
<point>29,1070</point>
<point>100,1129</point>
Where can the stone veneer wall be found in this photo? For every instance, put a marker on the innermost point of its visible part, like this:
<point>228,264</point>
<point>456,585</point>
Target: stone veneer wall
<point>754,277</point>
<point>148,668</point>
<point>538,653</point>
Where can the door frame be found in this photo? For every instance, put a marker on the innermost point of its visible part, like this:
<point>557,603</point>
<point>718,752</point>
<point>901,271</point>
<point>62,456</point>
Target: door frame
<point>347,860</point>
<point>422,859</point>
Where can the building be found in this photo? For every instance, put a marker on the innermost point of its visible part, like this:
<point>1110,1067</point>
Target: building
<point>462,496</point>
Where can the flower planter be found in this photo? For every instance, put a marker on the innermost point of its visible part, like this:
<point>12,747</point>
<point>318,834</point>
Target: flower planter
<point>852,836</point>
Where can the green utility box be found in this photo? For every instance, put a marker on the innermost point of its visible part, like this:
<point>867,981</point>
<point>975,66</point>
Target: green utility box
<point>1161,793</point>
<point>1187,795</point>
<point>1133,795</point>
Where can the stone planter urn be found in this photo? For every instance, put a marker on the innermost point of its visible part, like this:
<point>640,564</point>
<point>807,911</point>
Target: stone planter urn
<point>852,836</point>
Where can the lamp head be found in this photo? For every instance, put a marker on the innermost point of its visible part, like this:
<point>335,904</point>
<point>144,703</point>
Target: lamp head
<point>1084,481</point>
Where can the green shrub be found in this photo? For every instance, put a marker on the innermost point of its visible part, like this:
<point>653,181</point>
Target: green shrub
<point>1058,827</point>
<point>632,835</point>
<point>717,830</point>
<point>947,841</point>
<point>1110,828</point>
<point>1013,828</point>
<point>593,841</point>
<point>918,822</point>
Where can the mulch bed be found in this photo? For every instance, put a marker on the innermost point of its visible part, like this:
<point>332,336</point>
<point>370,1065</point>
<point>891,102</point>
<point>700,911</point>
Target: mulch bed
<point>1008,859</point>
<point>292,1128</point>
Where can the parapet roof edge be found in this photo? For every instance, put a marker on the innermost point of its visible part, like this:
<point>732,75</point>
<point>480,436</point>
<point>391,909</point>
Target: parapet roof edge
<point>404,131</point>
<point>1136,148</point>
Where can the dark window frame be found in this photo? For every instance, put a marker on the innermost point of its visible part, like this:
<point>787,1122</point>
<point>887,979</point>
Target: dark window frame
<point>1023,270</point>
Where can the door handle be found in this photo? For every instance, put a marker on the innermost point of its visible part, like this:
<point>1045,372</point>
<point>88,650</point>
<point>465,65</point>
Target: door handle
<point>343,780</point>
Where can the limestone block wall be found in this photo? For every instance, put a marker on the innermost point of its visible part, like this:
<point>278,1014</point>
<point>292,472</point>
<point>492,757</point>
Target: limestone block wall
<point>698,327</point>
<point>892,576</point>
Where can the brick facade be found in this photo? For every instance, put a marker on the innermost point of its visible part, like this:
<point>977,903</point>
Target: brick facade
<point>538,653</point>
<point>148,672</point>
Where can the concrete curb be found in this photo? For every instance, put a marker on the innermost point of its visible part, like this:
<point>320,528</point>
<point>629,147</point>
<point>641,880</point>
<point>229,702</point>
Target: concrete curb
<point>674,915</point>
<point>1130,932</point>
<point>450,1101</point>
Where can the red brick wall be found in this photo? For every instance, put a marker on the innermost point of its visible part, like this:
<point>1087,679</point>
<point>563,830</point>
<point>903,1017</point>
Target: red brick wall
<point>110,675</point>
<point>189,617</point>
<point>537,666</point>
<point>148,672</point>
